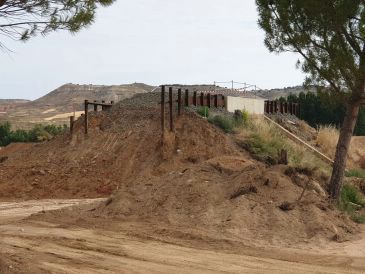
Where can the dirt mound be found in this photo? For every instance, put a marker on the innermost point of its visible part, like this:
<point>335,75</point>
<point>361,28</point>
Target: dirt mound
<point>122,145</point>
<point>196,181</point>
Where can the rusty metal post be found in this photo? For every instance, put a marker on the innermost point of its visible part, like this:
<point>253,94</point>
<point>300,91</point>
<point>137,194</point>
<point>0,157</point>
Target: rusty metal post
<point>72,121</point>
<point>291,108</point>
<point>216,100</point>
<point>163,109</point>
<point>223,101</point>
<point>195,99</point>
<point>209,100</point>
<point>171,113</point>
<point>202,99</point>
<point>179,102</point>
<point>86,122</point>
<point>102,107</point>
<point>186,97</point>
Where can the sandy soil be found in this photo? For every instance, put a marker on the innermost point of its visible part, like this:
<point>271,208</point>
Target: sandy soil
<point>28,246</point>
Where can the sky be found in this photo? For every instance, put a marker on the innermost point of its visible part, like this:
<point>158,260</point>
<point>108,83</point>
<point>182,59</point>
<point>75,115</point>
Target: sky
<point>154,42</point>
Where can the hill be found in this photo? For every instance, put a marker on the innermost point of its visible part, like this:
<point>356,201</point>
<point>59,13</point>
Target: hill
<point>56,106</point>
<point>276,93</point>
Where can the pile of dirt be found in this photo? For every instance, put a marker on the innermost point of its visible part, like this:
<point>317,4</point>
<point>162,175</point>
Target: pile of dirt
<point>196,181</point>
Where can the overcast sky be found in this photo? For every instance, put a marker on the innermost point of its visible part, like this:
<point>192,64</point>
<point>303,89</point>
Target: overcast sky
<point>154,42</point>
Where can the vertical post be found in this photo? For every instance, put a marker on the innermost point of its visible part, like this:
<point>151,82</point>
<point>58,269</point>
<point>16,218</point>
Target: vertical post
<point>179,102</point>
<point>290,107</point>
<point>232,85</point>
<point>102,107</point>
<point>209,100</point>
<point>223,101</point>
<point>195,103</point>
<point>95,106</point>
<point>86,122</point>
<point>202,99</point>
<point>163,109</point>
<point>72,121</point>
<point>275,106</point>
<point>171,113</point>
<point>299,111</point>
<point>186,97</point>
<point>216,100</point>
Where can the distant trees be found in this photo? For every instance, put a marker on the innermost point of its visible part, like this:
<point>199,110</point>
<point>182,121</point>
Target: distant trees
<point>324,108</point>
<point>38,133</point>
<point>25,19</point>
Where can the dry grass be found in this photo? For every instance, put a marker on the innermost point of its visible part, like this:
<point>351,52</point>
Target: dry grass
<point>270,140</point>
<point>327,139</point>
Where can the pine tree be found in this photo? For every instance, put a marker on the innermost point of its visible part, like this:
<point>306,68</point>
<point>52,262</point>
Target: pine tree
<point>329,36</point>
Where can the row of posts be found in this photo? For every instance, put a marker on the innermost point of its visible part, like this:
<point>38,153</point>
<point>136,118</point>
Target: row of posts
<point>282,107</point>
<point>202,99</point>
<point>104,106</point>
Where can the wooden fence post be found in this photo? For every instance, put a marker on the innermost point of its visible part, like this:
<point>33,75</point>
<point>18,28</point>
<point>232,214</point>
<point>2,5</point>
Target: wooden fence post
<point>95,106</point>
<point>179,102</point>
<point>202,99</point>
<point>195,103</point>
<point>163,109</point>
<point>86,122</point>
<point>209,100</point>
<point>171,112</point>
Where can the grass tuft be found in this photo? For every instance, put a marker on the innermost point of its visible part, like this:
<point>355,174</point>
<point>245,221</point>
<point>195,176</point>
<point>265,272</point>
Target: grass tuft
<point>357,173</point>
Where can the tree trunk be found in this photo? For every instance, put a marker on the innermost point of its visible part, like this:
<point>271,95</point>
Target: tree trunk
<point>343,145</point>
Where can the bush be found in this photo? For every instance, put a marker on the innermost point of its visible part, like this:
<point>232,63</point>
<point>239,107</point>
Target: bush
<point>203,111</point>
<point>224,122</point>
<point>38,133</point>
<point>358,173</point>
<point>353,203</point>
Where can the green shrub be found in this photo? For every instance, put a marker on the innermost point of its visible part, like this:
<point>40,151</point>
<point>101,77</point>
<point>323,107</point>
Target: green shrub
<point>353,203</point>
<point>245,116</point>
<point>224,122</point>
<point>265,150</point>
<point>358,173</point>
<point>38,133</point>
<point>203,111</point>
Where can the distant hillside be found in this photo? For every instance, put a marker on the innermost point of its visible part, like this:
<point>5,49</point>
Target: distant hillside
<point>282,92</point>
<point>56,106</point>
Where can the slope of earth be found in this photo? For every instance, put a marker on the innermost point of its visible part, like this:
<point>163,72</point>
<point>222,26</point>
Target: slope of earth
<point>194,186</point>
<point>58,105</point>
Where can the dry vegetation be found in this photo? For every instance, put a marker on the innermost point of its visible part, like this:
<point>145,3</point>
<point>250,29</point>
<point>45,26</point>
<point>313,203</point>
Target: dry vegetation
<point>327,139</point>
<point>264,140</point>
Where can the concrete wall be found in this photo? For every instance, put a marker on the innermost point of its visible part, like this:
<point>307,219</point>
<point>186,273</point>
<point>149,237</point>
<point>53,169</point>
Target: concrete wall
<point>251,105</point>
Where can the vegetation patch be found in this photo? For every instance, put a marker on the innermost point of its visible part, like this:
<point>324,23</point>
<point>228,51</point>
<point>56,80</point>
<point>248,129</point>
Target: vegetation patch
<point>224,122</point>
<point>357,173</point>
<point>38,133</point>
<point>352,201</point>
<point>203,111</point>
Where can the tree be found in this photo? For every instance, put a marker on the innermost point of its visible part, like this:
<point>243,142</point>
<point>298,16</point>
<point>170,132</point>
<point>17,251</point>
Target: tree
<point>329,36</point>
<point>22,20</point>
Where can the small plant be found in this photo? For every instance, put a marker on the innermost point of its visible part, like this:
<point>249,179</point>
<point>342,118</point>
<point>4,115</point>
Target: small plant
<point>224,122</point>
<point>203,111</point>
<point>353,203</point>
<point>357,172</point>
<point>245,116</point>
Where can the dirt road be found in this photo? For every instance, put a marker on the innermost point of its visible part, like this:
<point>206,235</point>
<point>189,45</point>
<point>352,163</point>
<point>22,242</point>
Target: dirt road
<point>41,247</point>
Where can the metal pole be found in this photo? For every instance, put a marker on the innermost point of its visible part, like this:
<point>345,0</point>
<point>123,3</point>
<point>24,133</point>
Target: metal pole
<point>179,101</point>
<point>72,120</point>
<point>171,114</point>
<point>86,114</point>
<point>163,109</point>
<point>187,98</point>
<point>95,106</point>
